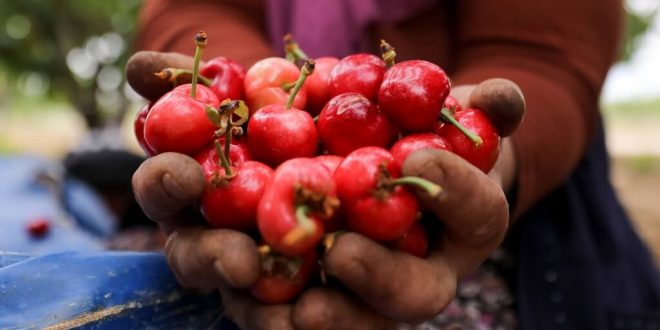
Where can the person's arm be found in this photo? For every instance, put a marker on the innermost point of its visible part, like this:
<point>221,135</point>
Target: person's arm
<point>235,28</point>
<point>558,52</point>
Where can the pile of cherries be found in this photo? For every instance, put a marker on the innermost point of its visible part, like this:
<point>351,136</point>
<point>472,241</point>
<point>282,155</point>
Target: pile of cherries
<point>293,155</point>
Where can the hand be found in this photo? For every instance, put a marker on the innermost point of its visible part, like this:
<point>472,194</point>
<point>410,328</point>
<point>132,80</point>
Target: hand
<point>382,286</point>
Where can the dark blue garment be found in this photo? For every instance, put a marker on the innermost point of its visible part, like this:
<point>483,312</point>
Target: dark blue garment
<point>580,263</point>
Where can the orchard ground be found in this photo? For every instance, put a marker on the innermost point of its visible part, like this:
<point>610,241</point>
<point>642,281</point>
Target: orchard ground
<point>51,129</point>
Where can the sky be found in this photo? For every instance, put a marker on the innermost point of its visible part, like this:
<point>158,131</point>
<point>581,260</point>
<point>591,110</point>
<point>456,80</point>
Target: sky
<point>639,78</point>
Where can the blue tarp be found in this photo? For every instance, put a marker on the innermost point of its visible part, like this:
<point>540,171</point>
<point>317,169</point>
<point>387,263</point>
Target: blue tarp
<point>64,279</point>
<point>101,290</point>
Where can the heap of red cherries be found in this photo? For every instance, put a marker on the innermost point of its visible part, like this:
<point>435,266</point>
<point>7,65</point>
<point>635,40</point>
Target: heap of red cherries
<point>294,155</point>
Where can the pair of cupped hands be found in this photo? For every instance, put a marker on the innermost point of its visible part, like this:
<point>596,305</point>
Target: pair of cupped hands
<point>379,287</point>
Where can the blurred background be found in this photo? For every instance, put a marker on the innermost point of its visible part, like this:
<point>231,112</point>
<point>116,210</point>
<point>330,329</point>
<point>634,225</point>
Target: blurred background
<point>62,88</point>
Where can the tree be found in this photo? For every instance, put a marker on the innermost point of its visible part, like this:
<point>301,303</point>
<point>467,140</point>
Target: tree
<point>71,48</point>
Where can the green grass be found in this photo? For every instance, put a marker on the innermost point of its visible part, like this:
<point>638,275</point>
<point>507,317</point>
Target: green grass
<point>642,163</point>
<point>635,110</point>
<point>23,106</point>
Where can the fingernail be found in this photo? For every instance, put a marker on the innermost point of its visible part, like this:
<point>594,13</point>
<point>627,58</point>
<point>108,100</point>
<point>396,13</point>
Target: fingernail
<point>172,187</point>
<point>217,265</point>
<point>431,170</point>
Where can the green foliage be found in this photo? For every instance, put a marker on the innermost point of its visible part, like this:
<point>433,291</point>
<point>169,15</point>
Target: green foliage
<point>636,26</point>
<point>37,36</point>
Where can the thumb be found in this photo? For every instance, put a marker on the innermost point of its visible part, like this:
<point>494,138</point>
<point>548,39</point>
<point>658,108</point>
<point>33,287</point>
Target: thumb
<point>143,65</point>
<point>472,207</point>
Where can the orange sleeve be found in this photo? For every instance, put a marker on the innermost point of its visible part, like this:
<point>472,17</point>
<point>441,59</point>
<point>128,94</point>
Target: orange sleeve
<point>235,28</point>
<point>558,52</point>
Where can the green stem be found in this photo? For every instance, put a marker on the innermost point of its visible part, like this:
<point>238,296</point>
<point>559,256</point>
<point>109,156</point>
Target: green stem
<point>224,162</point>
<point>288,86</point>
<point>431,188</point>
<point>172,74</point>
<point>305,71</point>
<point>446,115</point>
<point>200,43</point>
<point>292,50</point>
<point>388,53</point>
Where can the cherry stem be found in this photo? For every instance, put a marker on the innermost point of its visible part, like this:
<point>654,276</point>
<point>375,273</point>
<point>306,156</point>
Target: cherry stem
<point>224,162</point>
<point>288,86</point>
<point>446,115</point>
<point>292,50</point>
<point>304,228</point>
<point>431,188</point>
<point>172,74</point>
<point>264,250</point>
<point>388,53</point>
<point>228,108</point>
<point>306,70</point>
<point>200,43</point>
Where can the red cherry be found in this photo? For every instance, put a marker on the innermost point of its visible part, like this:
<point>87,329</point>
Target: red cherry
<point>276,134</point>
<point>231,202</point>
<point>138,129</point>
<point>482,154</point>
<point>412,94</point>
<point>283,278</point>
<point>300,195</point>
<point>208,157</point>
<point>178,122</point>
<point>371,194</point>
<point>350,121</point>
<point>357,73</point>
<point>408,144</point>
<point>38,227</point>
<point>318,89</point>
<point>266,81</point>
<point>414,241</point>
<point>452,104</point>
<point>330,161</point>
<point>226,77</point>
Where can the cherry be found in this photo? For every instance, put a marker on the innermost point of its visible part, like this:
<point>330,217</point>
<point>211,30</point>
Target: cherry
<point>177,121</point>
<point>226,76</point>
<point>414,241</point>
<point>357,73</point>
<point>298,198</point>
<point>412,94</point>
<point>230,201</point>
<point>330,161</point>
<point>452,104</point>
<point>269,81</point>
<point>222,75</point>
<point>138,129</point>
<point>371,192</point>
<point>408,144</point>
<point>282,278</point>
<point>234,184</point>
<point>208,158</point>
<point>473,137</point>
<point>318,89</point>
<point>350,121</point>
<point>38,227</point>
<point>277,133</point>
